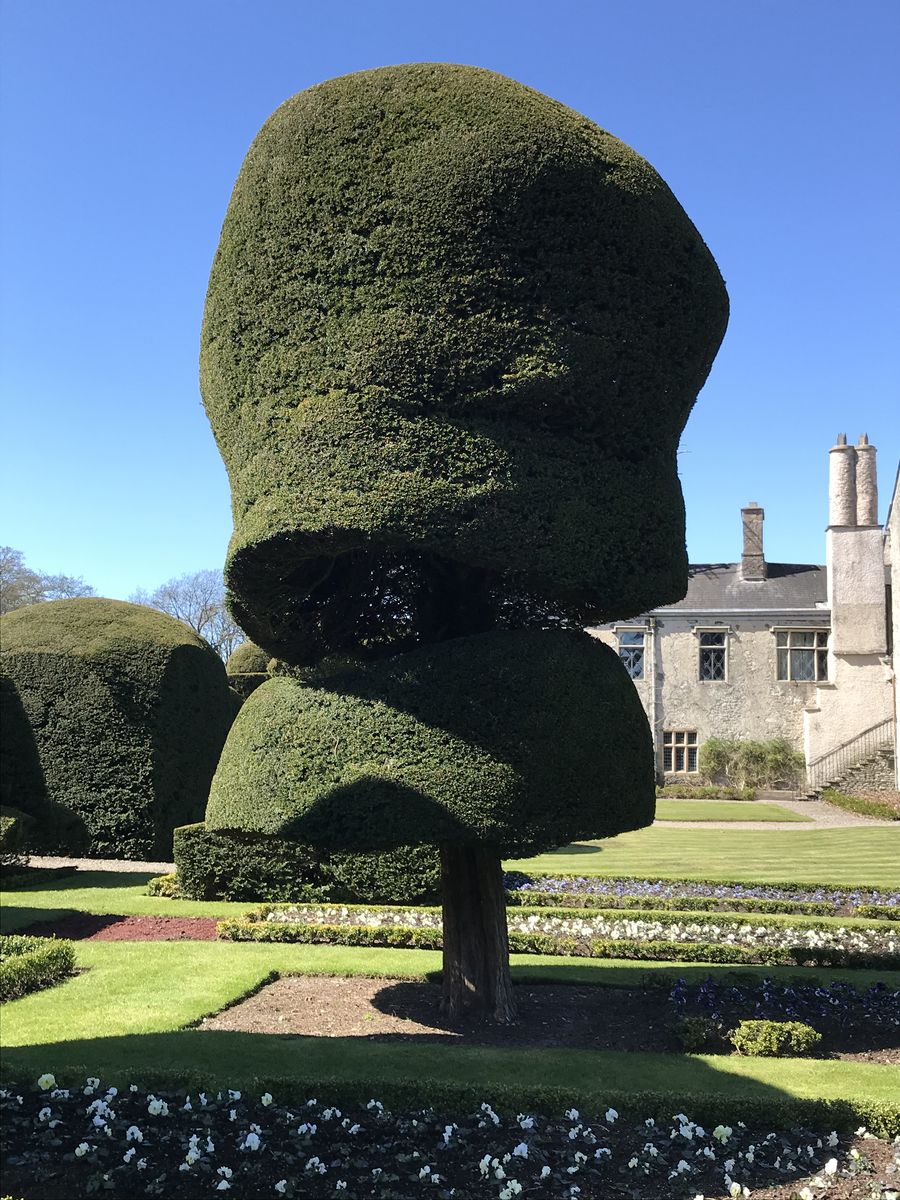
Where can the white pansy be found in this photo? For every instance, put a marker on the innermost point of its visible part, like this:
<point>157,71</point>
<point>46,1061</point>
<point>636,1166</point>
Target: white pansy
<point>545,1171</point>
<point>81,1149</point>
<point>133,1134</point>
<point>611,1116</point>
<point>281,1186</point>
<point>129,1155</point>
<point>158,1108</point>
<point>525,1122</point>
<point>265,1099</point>
<point>251,1142</point>
<point>225,1172</point>
<point>520,1151</point>
<point>223,1185</point>
<point>45,1082</point>
<point>45,1114</point>
<point>722,1133</point>
<point>831,1166</point>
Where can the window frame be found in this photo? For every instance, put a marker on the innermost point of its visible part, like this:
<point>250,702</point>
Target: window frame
<point>722,631</point>
<point>680,750</point>
<point>820,650</point>
<point>633,629</point>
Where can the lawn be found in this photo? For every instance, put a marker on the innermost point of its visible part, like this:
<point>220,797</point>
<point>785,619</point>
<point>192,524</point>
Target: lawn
<point>724,810</point>
<point>856,857</point>
<point>124,1017</point>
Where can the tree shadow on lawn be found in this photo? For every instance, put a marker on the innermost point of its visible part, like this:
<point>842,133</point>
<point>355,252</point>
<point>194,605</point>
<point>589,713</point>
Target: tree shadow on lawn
<point>51,880</point>
<point>354,1068</point>
<point>15,919</point>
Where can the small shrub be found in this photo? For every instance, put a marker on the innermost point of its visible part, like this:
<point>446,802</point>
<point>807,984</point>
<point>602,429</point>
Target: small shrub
<point>698,1033</point>
<point>774,1039</point>
<point>29,963</point>
<point>746,764</point>
<point>165,885</point>
<point>687,791</point>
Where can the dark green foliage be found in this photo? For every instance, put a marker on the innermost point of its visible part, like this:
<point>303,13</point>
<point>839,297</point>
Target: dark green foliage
<point>29,963</point>
<point>747,764</point>
<point>697,1034</point>
<point>118,714</point>
<point>774,1039</point>
<point>523,740</point>
<point>453,332</point>
<point>245,866</point>
<point>247,668</point>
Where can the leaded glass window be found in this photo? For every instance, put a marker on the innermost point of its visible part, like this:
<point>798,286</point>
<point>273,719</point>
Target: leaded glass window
<point>679,751</point>
<point>712,657</point>
<point>631,651</point>
<point>802,655</point>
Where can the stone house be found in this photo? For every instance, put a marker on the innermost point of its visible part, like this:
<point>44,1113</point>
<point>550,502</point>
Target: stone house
<point>760,650</point>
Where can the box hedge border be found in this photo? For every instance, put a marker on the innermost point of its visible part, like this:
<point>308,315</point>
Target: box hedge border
<point>28,964</point>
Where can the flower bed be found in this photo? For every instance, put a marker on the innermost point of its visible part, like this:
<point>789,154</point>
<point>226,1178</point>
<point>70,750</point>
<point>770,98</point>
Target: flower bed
<point>840,1005</point>
<point>94,1140</point>
<point>840,899</point>
<point>730,938</point>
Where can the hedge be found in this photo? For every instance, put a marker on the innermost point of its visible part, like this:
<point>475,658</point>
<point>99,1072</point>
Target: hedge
<point>117,713</point>
<point>244,929</point>
<point>29,963</point>
<point>451,325</point>
<point>247,668</point>
<point>240,866</point>
<point>522,739</point>
<point>685,791</point>
<point>722,904</point>
<point>774,1039</point>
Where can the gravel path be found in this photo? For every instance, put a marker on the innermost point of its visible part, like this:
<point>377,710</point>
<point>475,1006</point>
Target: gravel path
<point>102,864</point>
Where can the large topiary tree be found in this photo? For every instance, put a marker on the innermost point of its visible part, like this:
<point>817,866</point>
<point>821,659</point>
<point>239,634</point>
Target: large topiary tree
<point>452,334</point>
<point>115,712</point>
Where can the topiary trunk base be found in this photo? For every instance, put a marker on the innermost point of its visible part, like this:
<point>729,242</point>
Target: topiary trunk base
<point>476,977</point>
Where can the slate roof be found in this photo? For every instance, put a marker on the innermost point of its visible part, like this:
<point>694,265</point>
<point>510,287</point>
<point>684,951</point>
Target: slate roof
<point>718,586</point>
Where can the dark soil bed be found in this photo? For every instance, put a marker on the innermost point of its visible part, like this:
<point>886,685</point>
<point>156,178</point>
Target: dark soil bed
<point>93,927</point>
<point>597,1018</point>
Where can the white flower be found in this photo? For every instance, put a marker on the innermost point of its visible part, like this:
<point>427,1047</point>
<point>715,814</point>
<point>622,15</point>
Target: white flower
<point>132,1087</point>
<point>129,1155</point>
<point>611,1115</point>
<point>223,1185</point>
<point>520,1151</point>
<point>513,1188</point>
<point>831,1166</point>
<point>233,1095</point>
<point>81,1149</point>
<point>111,1092</point>
<point>525,1122</point>
<point>158,1108</point>
<point>45,1114</point>
<point>133,1134</point>
<point>633,1162</point>
<point>426,1170</point>
<point>281,1186</point>
<point>545,1171</point>
<point>832,1139</point>
<point>266,1099</point>
<point>806,1194</point>
<point>46,1082</point>
<point>722,1133</point>
<point>250,1142</point>
<point>682,1166</point>
<point>573,1114</point>
<point>92,1081</point>
<point>226,1172</point>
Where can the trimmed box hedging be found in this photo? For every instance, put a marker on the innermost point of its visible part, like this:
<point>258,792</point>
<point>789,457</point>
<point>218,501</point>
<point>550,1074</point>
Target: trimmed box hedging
<point>117,713</point>
<point>774,1039</point>
<point>211,865</point>
<point>28,964</point>
<point>722,904</point>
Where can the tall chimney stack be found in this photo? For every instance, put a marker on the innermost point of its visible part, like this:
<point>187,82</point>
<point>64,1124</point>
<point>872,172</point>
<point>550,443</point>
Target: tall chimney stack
<point>842,483</point>
<point>866,483</point>
<point>753,562</point>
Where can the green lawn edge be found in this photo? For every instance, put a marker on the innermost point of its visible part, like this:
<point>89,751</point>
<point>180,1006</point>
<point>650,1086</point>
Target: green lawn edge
<point>668,809</point>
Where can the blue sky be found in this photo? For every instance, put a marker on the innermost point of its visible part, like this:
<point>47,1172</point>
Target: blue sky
<point>123,128</point>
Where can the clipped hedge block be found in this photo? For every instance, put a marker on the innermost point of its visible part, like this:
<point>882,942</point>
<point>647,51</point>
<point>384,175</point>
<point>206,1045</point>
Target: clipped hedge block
<point>241,866</point>
<point>247,668</point>
<point>28,964</point>
<point>774,1039</point>
<point>116,713</point>
<point>523,740</point>
<point>452,326</point>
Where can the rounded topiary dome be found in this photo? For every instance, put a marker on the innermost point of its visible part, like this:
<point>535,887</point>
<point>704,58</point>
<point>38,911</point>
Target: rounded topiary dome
<point>522,740</point>
<point>452,326</point>
<point>120,714</point>
<point>248,659</point>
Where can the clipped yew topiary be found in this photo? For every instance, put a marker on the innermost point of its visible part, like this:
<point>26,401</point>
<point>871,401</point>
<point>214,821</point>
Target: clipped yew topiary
<point>452,335</point>
<point>247,668</point>
<point>521,739</point>
<point>118,714</point>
